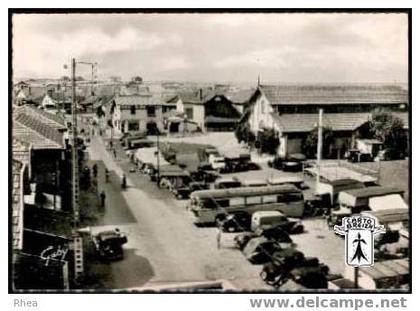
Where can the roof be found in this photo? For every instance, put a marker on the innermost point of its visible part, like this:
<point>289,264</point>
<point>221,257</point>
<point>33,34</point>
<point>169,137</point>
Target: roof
<point>149,156</point>
<point>370,141</point>
<point>42,136</point>
<point>244,191</point>
<point>17,204</point>
<point>387,269</point>
<point>240,96</point>
<point>373,191</point>
<point>53,120</point>
<point>306,122</point>
<point>387,202</point>
<point>390,215</point>
<point>343,182</point>
<point>187,96</point>
<point>139,100</point>
<point>213,119</point>
<point>330,173</point>
<point>323,94</point>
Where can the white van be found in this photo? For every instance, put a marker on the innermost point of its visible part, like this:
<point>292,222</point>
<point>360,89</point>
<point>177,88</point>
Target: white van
<point>263,219</point>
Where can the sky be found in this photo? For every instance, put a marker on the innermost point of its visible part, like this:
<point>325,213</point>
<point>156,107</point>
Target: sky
<point>315,48</point>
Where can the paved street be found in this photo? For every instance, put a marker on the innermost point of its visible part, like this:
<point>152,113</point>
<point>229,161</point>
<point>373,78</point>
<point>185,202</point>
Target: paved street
<point>163,244</point>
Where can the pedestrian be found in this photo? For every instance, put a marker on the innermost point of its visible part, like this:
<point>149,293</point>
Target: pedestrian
<point>106,175</point>
<point>103,196</point>
<point>95,170</point>
<point>124,182</point>
<point>115,153</point>
<point>219,237</point>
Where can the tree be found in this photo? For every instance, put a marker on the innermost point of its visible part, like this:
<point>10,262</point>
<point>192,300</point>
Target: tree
<point>137,79</point>
<point>243,133</point>
<point>310,143</point>
<point>269,141</point>
<point>389,129</point>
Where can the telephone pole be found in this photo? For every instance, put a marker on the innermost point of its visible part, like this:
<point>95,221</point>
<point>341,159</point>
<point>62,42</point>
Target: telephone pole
<point>74,149</point>
<point>319,148</point>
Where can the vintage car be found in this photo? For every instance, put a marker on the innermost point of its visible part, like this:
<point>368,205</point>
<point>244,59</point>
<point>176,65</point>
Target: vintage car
<point>108,244</point>
<point>278,235</point>
<point>236,222</point>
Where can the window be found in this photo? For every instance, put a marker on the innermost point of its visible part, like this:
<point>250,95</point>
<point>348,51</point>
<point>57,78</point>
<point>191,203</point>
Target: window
<point>189,113</point>
<point>222,203</point>
<point>237,201</point>
<point>151,111</point>
<point>253,200</point>
<point>133,109</point>
<point>289,197</point>
<point>209,204</point>
<point>133,126</point>
<point>269,199</point>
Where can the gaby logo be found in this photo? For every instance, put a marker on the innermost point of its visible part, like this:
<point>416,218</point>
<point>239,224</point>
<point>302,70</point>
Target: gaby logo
<point>359,232</point>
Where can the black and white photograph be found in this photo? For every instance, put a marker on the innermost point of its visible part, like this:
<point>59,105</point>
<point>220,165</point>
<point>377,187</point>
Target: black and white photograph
<point>210,151</point>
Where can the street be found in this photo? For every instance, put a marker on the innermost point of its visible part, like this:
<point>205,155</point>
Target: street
<point>163,244</point>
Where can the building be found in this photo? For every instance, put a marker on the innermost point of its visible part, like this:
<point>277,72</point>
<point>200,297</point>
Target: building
<point>292,111</point>
<point>134,113</point>
<point>49,167</point>
<point>41,257</point>
<point>210,110</point>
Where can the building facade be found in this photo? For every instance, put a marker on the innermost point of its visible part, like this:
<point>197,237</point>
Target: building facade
<point>136,113</point>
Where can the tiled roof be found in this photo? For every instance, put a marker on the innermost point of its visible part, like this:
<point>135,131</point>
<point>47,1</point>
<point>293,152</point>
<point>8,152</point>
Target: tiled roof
<point>306,122</point>
<point>240,96</point>
<point>17,205</point>
<point>51,119</point>
<point>187,96</point>
<point>334,94</point>
<point>136,100</point>
<point>33,131</point>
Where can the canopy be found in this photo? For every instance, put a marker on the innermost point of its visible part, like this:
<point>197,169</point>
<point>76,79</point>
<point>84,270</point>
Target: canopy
<point>361,197</point>
<point>150,156</point>
<point>387,202</point>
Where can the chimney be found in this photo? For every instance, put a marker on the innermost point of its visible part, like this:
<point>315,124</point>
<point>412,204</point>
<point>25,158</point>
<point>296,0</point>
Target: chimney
<point>201,94</point>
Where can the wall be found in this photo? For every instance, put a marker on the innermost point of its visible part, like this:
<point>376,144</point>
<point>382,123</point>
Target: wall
<point>260,115</point>
<point>122,116</point>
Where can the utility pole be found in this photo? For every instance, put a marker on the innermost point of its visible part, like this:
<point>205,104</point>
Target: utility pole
<point>74,151</point>
<point>77,244</point>
<point>319,148</point>
<point>158,150</point>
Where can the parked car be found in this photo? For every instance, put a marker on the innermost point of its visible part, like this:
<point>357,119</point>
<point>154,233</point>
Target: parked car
<point>264,220</point>
<point>278,235</point>
<point>236,222</point>
<point>217,162</point>
<point>290,264</point>
<point>184,191</point>
<point>227,183</point>
<point>108,244</point>
<point>354,155</point>
<point>277,271</point>
<point>259,250</point>
<point>292,163</point>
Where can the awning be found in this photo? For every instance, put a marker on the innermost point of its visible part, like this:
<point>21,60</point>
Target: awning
<point>387,202</point>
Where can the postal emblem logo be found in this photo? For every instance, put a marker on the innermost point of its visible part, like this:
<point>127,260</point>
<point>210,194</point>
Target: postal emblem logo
<point>359,232</point>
